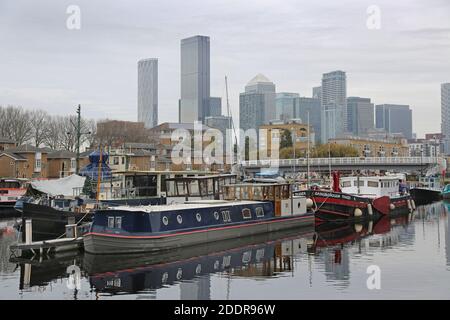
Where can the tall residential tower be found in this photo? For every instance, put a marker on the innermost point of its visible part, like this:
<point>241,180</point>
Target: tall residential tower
<point>445,115</point>
<point>148,92</point>
<point>333,105</point>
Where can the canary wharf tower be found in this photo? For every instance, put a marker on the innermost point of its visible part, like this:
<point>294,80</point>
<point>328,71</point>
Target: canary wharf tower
<point>148,92</point>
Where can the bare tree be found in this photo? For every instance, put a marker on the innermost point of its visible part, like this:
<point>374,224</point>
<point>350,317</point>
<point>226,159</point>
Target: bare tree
<point>52,133</point>
<point>16,124</point>
<point>39,122</point>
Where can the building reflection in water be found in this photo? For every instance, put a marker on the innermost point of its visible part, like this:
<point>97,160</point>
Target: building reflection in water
<point>447,232</point>
<point>329,247</point>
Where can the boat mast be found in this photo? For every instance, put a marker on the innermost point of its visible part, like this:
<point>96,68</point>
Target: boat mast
<point>329,160</point>
<point>307,156</point>
<point>232,124</point>
<point>99,173</point>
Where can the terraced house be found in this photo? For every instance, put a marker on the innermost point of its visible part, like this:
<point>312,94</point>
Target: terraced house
<point>25,161</point>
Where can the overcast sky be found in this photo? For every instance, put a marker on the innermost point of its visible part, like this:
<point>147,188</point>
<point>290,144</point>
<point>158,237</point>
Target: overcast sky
<point>45,65</point>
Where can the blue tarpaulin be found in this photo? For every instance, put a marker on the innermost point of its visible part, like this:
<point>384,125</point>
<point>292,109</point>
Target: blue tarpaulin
<point>91,170</point>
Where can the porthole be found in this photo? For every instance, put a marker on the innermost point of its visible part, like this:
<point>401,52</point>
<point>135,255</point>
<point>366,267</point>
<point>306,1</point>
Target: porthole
<point>216,265</point>
<point>259,212</point>
<point>179,219</point>
<point>165,276</point>
<point>246,213</point>
<point>198,269</point>
<point>198,216</point>
<point>179,273</point>
<point>165,220</point>
<point>216,215</point>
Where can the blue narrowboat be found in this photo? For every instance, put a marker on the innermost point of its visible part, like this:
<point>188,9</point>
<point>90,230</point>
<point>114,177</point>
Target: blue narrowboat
<point>246,209</point>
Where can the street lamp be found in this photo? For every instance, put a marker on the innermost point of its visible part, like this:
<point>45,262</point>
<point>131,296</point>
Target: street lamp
<point>78,136</point>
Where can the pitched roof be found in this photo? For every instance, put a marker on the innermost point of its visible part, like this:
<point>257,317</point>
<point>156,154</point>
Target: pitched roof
<point>61,154</point>
<point>138,145</point>
<point>14,156</point>
<point>27,148</point>
<point>142,152</point>
<point>259,78</point>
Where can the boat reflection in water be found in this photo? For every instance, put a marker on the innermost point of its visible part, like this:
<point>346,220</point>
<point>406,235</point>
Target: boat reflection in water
<point>330,245</point>
<point>259,256</point>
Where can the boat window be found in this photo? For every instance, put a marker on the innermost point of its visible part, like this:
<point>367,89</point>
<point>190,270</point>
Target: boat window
<point>245,193</point>
<point>246,213</point>
<point>259,212</point>
<point>119,222</point>
<point>179,219</point>
<point>361,183</point>
<point>198,216</point>
<point>110,222</point>
<point>372,184</point>
<point>165,220</point>
<point>346,184</point>
<point>257,193</point>
<point>216,215</point>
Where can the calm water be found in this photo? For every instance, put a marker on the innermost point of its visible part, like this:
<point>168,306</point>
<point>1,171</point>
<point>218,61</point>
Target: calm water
<point>412,253</point>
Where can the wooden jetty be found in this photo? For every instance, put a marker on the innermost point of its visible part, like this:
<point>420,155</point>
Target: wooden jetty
<point>71,242</point>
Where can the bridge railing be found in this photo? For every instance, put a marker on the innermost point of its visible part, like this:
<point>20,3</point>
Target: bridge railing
<point>344,161</point>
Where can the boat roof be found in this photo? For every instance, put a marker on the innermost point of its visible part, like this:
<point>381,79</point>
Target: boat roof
<point>184,206</point>
<point>377,178</point>
<point>214,176</point>
<point>150,172</point>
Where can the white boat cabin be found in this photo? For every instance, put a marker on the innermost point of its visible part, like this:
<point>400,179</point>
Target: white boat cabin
<point>371,186</point>
<point>285,203</point>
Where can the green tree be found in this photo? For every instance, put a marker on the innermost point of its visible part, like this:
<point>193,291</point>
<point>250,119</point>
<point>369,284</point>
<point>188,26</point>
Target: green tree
<point>334,150</point>
<point>286,139</point>
<point>87,187</point>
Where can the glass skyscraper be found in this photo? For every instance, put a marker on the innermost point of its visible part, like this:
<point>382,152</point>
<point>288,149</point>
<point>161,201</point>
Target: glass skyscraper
<point>257,103</point>
<point>304,106</point>
<point>148,92</point>
<point>195,79</point>
<point>394,118</point>
<point>360,118</point>
<point>285,105</point>
<point>445,115</point>
<point>333,105</point>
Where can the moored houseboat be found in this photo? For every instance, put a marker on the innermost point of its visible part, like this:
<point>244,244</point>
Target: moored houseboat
<point>359,197</point>
<point>11,190</point>
<point>426,190</point>
<point>247,209</point>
